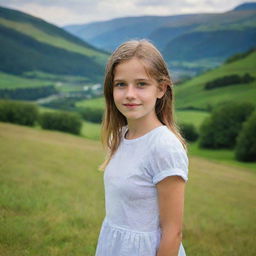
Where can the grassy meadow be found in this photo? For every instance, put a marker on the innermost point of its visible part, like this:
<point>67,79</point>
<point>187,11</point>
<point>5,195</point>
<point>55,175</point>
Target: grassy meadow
<point>51,194</point>
<point>52,198</point>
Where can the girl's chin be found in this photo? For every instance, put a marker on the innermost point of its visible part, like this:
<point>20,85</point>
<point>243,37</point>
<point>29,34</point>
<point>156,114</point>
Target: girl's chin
<point>132,117</point>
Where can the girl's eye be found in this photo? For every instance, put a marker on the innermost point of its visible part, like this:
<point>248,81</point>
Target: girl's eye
<point>142,84</point>
<point>119,84</point>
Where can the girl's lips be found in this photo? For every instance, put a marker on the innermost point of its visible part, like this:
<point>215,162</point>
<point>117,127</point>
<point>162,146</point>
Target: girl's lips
<point>131,105</point>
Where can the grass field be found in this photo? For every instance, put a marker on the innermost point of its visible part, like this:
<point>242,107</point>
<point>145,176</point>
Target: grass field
<point>52,198</point>
<point>8,81</point>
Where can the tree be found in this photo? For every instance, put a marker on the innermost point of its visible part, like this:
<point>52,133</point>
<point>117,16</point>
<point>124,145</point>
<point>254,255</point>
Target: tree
<point>224,124</point>
<point>245,149</point>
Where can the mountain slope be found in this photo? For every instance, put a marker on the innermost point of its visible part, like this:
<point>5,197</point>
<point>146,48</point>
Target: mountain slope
<point>20,53</point>
<point>31,44</point>
<point>199,40</point>
<point>48,33</point>
<point>219,44</point>
<point>219,37</point>
<point>246,6</point>
<point>121,29</point>
<point>160,29</point>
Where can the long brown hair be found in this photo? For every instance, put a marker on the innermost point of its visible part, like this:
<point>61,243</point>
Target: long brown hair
<point>113,120</point>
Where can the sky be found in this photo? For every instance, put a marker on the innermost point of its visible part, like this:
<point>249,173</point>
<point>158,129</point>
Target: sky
<point>66,12</point>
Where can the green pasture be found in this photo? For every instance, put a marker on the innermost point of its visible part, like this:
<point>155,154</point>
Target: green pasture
<point>51,194</point>
<point>96,103</point>
<point>191,117</point>
<point>63,83</point>
<point>191,93</point>
<point>8,81</point>
<point>52,198</point>
<point>225,156</point>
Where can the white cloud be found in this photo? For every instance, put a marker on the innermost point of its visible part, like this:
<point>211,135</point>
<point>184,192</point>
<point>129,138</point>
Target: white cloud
<point>62,12</point>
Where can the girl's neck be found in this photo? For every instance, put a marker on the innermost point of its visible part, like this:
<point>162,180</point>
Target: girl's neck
<point>135,131</point>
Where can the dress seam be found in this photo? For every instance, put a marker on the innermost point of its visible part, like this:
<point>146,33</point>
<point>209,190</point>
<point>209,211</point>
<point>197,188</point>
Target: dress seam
<point>106,221</point>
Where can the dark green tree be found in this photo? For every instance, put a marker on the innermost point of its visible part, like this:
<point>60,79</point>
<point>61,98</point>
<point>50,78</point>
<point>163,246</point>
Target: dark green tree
<point>245,149</point>
<point>222,127</point>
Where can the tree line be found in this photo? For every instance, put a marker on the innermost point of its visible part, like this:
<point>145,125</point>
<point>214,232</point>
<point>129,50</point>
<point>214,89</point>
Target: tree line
<point>32,93</point>
<point>231,125</point>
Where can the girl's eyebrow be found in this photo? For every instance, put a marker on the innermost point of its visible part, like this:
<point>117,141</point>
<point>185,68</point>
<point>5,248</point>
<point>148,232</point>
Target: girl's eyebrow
<point>139,79</point>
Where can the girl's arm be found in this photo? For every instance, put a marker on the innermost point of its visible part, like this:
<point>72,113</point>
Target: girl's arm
<point>171,192</point>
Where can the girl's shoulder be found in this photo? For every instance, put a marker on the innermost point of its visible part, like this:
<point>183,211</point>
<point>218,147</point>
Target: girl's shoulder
<point>167,157</point>
<point>167,138</point>
<point>159,139</point>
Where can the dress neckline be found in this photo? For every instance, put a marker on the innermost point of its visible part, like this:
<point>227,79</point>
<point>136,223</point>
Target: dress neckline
<point>129,141</point>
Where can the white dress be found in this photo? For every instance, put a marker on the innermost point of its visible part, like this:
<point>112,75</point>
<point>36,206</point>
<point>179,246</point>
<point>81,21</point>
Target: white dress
<point>131,226</point>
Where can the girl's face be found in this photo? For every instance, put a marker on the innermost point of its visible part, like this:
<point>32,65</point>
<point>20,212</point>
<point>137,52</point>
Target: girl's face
<point>134,92</point>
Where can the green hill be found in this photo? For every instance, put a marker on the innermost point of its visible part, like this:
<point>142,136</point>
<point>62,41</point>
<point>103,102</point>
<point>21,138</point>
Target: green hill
<point>31,44</point>
<point>52,198</point>
<point>47,33</point>
<point>193,94</point>
<point>209,44</point>
<point>21,53</point>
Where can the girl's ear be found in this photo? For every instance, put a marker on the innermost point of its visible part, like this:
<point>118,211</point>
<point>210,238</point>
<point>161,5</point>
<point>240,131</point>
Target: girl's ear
<point>162,87</point>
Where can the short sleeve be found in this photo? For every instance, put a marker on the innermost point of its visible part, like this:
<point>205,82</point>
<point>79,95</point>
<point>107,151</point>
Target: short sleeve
<point>168,158</point>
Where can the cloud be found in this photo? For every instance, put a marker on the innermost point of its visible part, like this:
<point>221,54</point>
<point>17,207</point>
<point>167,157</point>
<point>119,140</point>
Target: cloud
<point>66,12</point>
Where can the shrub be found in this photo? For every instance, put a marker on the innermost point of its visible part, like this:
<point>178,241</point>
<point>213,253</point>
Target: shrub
<point>22,113</point>
<point>28,93</point>
<point>239,56</point>
<point>245,149</point>
<point>189,132</point>
<point>228,80</point>
<point>62,121</point>
<point>224,124</point>
<point>91,114</point>
<point>206,134</point>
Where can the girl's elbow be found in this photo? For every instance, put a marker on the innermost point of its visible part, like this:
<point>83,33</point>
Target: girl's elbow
<point>172,236</point>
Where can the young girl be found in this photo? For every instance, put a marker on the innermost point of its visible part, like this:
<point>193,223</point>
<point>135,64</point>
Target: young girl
<point>146,167</point>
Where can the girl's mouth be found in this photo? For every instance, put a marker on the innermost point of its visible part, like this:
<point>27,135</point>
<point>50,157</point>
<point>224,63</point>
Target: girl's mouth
<point>131,105</point>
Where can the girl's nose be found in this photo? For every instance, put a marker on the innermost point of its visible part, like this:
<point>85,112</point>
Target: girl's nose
<point>130,92</point>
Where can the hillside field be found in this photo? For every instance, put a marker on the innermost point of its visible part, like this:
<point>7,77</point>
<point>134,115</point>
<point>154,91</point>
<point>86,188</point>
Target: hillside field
<point>52,198</point>
<point>192,93</point>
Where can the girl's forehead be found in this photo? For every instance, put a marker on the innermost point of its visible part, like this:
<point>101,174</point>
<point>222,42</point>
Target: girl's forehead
<point>132,67</point>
